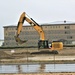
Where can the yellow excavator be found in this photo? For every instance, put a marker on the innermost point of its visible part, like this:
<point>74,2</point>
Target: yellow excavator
<point>42,43</point>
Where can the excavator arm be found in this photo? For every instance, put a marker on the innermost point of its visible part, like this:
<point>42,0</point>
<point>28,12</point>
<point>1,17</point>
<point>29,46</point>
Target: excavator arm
<point>25,17</point>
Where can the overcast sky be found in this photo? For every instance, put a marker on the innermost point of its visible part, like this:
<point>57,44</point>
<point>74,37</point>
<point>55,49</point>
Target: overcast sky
<point>42,11</point>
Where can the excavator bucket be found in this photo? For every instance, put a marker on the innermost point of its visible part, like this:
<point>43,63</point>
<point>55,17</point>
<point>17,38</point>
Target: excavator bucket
<point>18,40</point>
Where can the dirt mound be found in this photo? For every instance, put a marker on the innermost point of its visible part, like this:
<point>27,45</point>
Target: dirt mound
<point>4,55</point>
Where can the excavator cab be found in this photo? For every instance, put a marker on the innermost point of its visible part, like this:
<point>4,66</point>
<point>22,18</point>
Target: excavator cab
<point>55,45</point>
<point>43,44</point>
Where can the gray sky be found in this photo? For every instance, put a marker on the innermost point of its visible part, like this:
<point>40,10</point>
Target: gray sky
<point>42,11</point>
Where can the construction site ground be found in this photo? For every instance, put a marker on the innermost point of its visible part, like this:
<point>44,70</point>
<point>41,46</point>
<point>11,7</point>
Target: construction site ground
<point>33,55</point>
<point>43,74</point>
<point>25,55</point>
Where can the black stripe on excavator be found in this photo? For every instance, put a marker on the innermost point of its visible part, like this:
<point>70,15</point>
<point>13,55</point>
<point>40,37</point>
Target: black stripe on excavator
<point>18,25</point>
<point>21,22</point>
<point>23,19</point>
<point>34,21</point>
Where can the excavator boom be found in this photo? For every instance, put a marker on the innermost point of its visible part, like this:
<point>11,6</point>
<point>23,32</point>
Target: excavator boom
<point>24,17</point>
